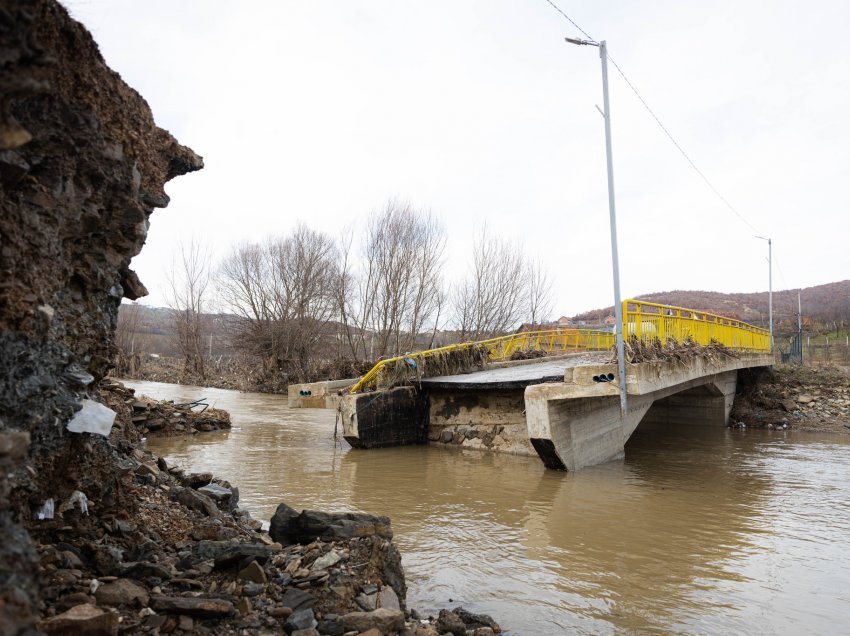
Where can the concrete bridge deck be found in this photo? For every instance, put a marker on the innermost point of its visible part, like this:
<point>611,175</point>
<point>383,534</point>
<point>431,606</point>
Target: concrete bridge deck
<point>519,374</point>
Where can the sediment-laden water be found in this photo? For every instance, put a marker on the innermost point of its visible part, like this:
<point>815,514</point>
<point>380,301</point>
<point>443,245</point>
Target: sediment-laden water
<point>698,530</point>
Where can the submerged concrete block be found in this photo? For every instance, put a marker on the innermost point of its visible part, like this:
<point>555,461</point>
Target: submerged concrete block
<point>395,417</point>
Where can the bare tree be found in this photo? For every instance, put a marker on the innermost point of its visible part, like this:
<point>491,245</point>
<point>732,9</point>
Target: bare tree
<point>188,281</point>
<point>540,302</point>
<point>127,333</point>
<point>398,290</point>
<point>284,294</point>
<point>501,290</point>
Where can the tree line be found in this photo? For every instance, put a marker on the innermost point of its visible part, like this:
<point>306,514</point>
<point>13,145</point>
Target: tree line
<point>305,296</point>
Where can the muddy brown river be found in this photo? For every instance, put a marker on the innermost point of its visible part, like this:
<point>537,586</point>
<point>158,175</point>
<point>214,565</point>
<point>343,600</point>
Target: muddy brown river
<point>698,530</point>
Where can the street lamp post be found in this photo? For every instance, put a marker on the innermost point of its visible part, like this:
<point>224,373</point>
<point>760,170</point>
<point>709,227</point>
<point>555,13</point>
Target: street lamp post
<point>769,286</point>
<point>615,260</point>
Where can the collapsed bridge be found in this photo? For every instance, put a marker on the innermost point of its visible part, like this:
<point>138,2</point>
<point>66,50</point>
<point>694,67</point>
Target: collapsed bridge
<point>682,367</point>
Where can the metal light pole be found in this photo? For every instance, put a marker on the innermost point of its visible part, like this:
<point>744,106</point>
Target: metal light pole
<point>615,260</point>
<point>769,286</point>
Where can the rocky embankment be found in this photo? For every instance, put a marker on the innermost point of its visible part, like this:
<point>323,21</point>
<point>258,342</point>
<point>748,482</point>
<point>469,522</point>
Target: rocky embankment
<point>172,552</point>
<point>792,396</point>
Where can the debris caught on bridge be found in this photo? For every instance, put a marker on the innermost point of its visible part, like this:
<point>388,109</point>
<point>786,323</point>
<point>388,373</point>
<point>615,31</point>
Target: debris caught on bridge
<point>639,350</point>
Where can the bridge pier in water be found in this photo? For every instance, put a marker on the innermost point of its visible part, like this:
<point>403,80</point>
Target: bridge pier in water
<point>575,424</point>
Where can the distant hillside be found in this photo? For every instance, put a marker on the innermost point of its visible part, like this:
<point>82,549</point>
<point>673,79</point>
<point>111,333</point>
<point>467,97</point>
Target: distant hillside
<point>823,304</point>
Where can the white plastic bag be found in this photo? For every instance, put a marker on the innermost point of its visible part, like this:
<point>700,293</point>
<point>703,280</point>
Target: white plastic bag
<point>94,417</point>
<point>46,511</point>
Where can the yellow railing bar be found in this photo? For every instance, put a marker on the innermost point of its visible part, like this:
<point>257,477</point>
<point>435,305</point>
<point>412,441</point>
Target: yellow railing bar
<point>645,321</point>
<point>503,347</point>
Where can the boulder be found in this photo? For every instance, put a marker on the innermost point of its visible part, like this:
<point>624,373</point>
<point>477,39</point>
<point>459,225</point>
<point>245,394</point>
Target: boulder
<point>288,526</point>
<point>385,620</point>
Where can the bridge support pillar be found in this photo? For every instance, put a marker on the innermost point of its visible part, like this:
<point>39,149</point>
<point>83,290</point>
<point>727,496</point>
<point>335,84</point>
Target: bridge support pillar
<point>571,433</point>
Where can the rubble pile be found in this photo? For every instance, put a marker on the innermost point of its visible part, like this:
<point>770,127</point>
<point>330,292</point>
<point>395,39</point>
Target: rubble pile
<point>160,419</point>
<point>792,396</point>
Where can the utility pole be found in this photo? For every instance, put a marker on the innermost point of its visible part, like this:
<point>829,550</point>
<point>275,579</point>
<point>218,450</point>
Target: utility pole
<point>800,325</point>
<point>769,286</point>
<point>615,260</point>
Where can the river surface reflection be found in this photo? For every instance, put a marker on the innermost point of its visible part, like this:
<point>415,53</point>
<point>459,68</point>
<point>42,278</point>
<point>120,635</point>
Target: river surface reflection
<point>698,530</point>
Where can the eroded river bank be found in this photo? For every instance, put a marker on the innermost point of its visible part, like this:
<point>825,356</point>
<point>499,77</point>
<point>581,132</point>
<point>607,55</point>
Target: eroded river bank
<point>698,530</point>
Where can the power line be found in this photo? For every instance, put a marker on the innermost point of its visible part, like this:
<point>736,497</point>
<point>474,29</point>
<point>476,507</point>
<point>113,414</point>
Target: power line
<point>569,19</point>
<point>661,125</point>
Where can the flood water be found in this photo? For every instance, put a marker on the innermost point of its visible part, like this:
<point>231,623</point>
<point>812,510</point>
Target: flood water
<point>698,530</point>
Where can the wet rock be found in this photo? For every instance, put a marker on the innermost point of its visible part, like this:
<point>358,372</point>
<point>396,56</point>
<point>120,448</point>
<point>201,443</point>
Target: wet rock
<point>385,620</point>
<point>450,622</point>
<point>476,621</point>
<point>288,526</point>
<point>446,436</point>
<point>82,620</point>
<point>196,480</point>
<point>122,592</point>
<point>302,619</point>
<point>197,607</point>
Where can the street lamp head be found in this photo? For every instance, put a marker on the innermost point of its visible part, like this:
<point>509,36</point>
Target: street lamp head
<point>582,42</point>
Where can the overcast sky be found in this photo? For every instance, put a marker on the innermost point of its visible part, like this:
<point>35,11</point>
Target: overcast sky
<point>321,111</point>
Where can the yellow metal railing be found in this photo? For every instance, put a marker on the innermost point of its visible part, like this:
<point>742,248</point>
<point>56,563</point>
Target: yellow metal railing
<point>643,320</point>
<point>554,341</point>
<point>647,321</point>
